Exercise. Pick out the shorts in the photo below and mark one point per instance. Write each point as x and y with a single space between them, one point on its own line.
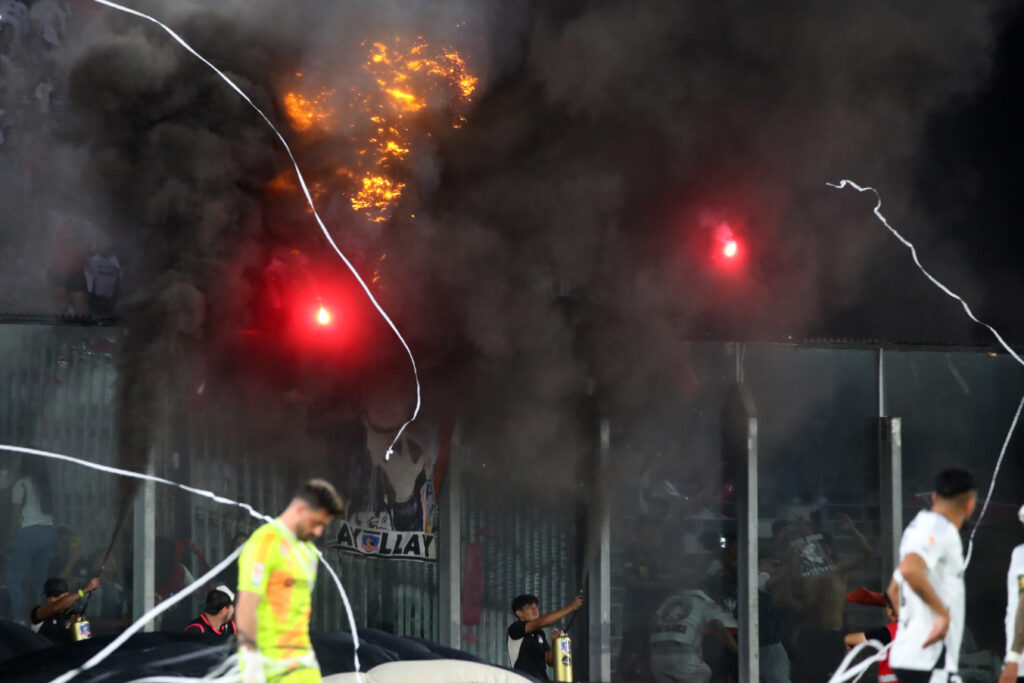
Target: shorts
73 282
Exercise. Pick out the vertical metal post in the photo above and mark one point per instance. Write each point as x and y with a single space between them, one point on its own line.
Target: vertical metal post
449 558
881 382
144 550
890 463
739 446
599 590
749 627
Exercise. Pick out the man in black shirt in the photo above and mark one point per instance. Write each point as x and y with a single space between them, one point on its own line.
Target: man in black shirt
53 619
528 649
216 623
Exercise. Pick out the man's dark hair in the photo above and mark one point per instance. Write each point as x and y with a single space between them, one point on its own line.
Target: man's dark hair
778 526
319 494
216 600
55 587
523 600
953 481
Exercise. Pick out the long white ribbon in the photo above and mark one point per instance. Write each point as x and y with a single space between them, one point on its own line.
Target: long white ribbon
149 616
841 673
913 252
309 200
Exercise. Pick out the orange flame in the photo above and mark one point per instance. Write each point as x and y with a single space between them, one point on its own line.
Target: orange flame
307 112
407 81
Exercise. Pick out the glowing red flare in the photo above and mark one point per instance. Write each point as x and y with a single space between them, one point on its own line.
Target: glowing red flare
323 316
730 249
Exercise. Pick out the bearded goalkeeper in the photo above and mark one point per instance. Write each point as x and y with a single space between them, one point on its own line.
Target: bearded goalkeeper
276 574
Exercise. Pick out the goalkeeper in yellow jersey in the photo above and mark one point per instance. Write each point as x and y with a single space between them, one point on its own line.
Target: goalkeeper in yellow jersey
276 574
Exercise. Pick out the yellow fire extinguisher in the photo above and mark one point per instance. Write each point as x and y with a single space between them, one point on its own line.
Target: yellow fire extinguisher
561 643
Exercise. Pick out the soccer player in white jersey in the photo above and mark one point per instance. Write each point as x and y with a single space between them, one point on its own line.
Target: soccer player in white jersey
930 581
1014 612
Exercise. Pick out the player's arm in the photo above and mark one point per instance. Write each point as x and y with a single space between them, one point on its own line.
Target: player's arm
549 656
863 545
551 617
915 573
245 618
1011 667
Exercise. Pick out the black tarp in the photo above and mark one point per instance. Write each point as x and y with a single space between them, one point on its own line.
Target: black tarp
32 658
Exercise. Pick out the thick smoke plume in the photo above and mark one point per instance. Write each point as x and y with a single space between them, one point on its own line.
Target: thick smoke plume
557 257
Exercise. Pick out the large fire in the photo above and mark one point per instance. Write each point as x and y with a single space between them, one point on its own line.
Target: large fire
408 80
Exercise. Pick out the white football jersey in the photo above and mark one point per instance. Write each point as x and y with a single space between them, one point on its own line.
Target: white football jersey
937 541
683 619
1014 584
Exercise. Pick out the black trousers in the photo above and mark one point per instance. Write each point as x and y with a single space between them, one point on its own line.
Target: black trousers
908 676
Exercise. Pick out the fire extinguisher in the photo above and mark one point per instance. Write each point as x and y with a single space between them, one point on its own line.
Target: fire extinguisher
561 643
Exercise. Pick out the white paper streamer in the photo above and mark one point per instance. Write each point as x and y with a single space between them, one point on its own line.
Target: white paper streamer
149 616
841 673
913 252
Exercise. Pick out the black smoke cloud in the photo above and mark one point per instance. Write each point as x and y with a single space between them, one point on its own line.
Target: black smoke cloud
588 181
557 258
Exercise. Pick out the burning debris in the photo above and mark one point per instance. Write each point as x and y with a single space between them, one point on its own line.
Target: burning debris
402 82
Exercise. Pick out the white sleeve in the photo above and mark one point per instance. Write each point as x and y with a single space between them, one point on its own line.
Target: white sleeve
925 542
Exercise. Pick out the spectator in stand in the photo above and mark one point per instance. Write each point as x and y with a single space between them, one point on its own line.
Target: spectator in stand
216 624
823 584
53 619
66 272
32 517
103 280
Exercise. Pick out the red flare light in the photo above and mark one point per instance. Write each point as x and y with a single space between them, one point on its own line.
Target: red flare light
323 316
730 249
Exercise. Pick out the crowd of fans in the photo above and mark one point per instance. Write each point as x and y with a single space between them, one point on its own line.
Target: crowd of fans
680 610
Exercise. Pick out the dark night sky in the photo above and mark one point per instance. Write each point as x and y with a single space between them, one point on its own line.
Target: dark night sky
969 186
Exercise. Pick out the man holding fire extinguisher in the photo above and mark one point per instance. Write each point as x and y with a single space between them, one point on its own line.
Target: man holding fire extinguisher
528 650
